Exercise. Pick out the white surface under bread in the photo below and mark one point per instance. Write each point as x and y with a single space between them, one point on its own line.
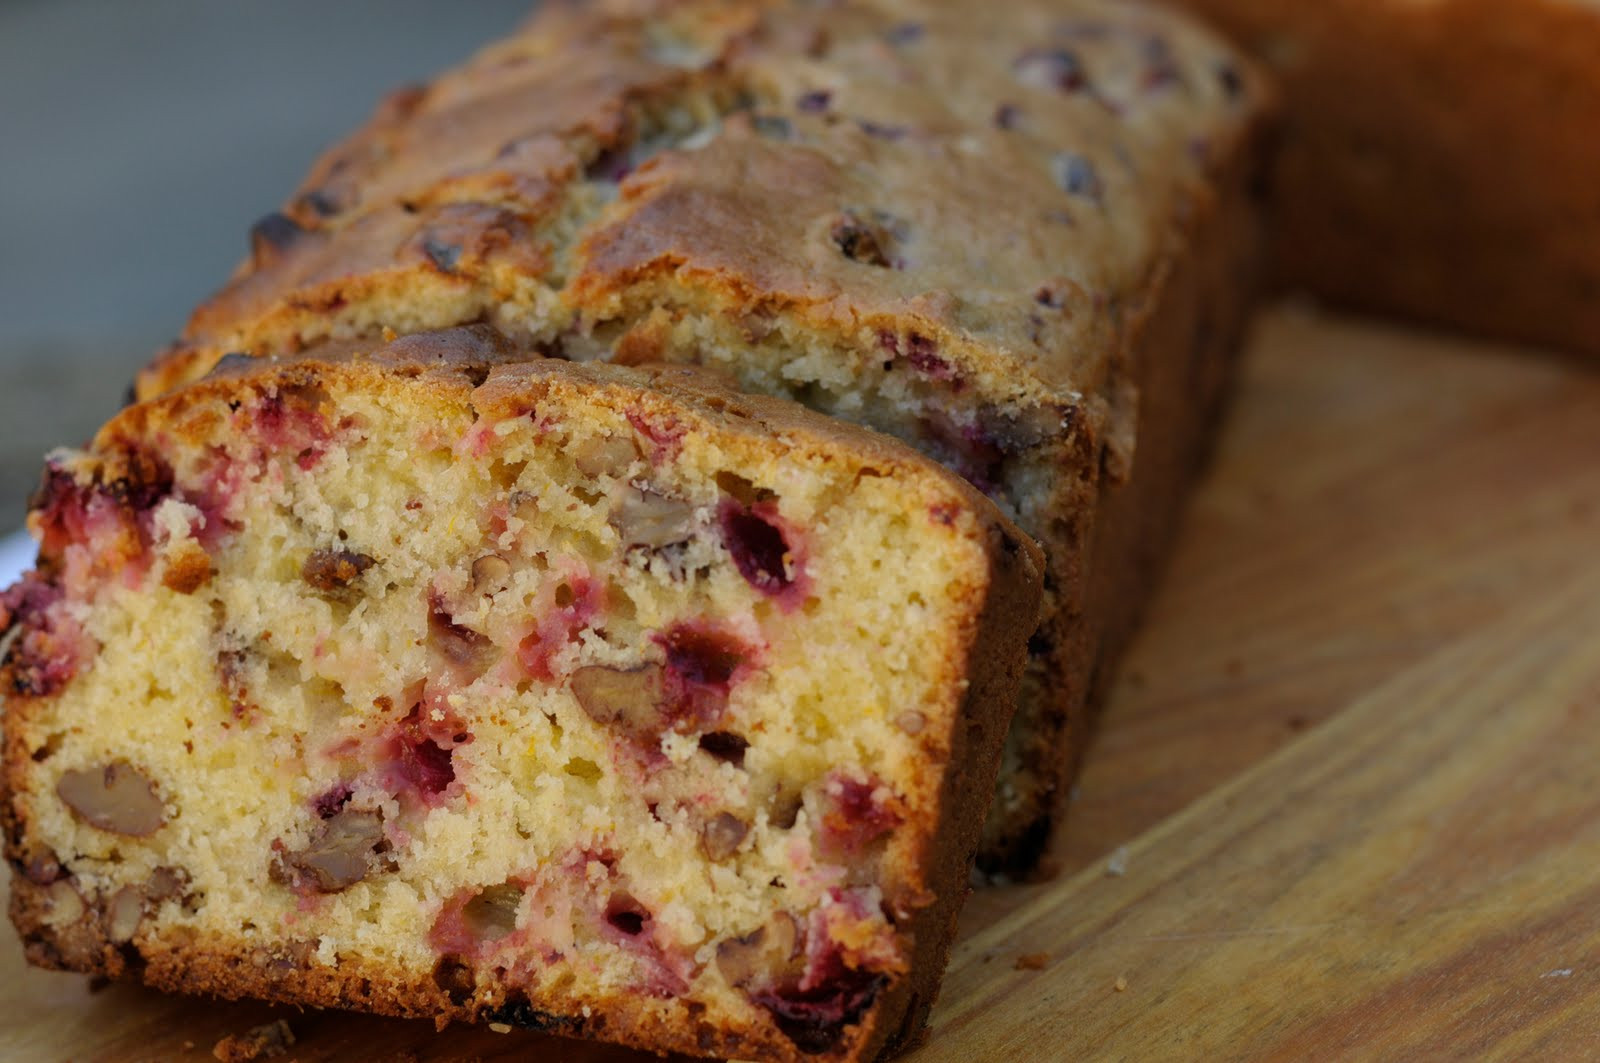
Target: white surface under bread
16 555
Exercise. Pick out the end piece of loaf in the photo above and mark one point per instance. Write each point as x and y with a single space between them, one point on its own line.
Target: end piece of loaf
1439 159
420 679
1021 240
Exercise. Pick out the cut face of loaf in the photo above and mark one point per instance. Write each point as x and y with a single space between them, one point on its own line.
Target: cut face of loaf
585 698
1022 243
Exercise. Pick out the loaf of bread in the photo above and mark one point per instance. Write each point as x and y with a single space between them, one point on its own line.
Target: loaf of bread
1020 239
1439 159
436 679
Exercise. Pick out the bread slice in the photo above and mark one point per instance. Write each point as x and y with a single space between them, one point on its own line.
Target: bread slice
1439 159
1024 244
607 701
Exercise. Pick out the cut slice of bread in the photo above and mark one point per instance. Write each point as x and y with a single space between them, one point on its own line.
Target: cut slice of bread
428 680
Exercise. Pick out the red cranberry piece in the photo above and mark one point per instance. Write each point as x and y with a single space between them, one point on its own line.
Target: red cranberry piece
922 353
663 431
423 762
758 548
45 650
858 812
703 657
815 1019
110 517
328 803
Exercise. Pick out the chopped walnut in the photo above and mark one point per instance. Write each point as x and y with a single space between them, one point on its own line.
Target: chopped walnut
116 798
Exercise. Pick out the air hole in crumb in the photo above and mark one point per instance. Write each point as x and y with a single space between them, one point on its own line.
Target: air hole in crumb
582 768
626 914
492 914
619 604
48 749
725 746
507 473
742 490
785 809
455 978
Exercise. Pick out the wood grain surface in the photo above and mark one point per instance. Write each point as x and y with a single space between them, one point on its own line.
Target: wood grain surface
1347 772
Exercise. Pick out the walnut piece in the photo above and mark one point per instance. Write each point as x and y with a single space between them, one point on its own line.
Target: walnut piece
116 797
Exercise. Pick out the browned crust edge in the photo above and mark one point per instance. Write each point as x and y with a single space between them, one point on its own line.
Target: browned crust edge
1183 342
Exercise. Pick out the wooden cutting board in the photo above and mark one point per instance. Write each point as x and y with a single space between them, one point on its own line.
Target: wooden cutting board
1344 802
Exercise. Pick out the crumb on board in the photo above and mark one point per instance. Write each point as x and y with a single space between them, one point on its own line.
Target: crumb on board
1120 985
500 1027
1033 961
261 1042
1117 865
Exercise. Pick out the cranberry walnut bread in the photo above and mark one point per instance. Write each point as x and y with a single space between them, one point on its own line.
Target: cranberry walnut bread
587 698
1440 158
1024 244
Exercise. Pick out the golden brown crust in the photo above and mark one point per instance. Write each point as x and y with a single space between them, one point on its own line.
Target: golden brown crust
1188 332
1439 158
872 128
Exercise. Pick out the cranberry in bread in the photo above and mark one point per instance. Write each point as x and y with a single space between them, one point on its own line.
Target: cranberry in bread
435 679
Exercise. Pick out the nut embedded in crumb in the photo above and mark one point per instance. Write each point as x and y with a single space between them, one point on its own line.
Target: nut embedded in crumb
261 1042
1033 961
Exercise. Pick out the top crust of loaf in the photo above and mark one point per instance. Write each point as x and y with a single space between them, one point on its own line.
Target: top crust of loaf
982 198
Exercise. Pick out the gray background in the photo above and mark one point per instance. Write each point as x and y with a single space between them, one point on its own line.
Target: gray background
139 139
